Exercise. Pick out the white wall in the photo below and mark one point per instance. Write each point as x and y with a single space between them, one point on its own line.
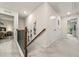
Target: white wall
21 23
78 28
64 26
42 15
38 15
54 31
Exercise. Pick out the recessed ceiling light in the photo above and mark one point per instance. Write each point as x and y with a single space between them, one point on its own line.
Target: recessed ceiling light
68 13
52 17
25 12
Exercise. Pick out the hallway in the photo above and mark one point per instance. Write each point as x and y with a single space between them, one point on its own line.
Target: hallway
8 48
29 19
60 48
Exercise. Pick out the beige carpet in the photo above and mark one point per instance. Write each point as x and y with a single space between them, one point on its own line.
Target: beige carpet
8 48
59 48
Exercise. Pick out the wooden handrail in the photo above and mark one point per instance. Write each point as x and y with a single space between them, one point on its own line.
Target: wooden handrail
36 37
25 42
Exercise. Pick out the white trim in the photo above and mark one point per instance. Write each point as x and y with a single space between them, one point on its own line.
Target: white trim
21 53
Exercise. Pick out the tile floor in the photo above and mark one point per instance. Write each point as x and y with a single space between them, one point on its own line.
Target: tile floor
8 48
60 48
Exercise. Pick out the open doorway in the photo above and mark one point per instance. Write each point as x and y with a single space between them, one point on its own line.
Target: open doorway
6 27
72 27
8 34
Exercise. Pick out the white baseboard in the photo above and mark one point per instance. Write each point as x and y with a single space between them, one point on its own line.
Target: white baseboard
22 55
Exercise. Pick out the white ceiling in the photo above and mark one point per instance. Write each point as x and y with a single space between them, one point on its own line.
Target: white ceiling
63 7
20 6
60 7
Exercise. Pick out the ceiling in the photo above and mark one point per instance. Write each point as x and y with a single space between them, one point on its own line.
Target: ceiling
63 8
60 7
20 7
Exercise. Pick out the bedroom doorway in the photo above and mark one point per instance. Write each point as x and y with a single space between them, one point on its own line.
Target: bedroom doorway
11 15
8 34
72 26
6 27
